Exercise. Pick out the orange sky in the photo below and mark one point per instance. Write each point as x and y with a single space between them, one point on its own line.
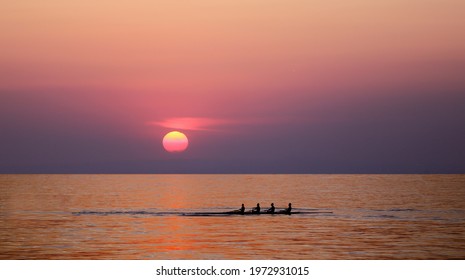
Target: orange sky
201 47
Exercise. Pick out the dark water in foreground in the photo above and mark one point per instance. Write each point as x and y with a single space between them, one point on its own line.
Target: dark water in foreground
139 217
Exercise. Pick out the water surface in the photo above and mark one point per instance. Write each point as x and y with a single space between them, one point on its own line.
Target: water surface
140 217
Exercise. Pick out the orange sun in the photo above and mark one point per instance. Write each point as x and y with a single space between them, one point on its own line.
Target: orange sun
175 142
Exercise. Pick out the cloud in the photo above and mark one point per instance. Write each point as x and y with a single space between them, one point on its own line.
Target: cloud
217 124
193 123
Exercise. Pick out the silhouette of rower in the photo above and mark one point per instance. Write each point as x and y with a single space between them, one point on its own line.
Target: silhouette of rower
242 210
271 210
289 209
256 209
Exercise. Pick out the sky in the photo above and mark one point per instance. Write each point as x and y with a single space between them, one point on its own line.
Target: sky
257 86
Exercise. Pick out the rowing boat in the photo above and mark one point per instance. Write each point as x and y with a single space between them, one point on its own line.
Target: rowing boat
237 213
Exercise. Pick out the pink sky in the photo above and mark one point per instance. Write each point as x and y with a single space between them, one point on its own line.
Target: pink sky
129 71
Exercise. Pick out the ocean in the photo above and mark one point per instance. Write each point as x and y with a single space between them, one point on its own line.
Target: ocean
144 217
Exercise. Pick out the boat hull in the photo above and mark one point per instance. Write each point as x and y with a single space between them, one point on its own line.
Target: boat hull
252 213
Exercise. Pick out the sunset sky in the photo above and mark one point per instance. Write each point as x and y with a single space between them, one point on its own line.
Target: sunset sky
258 86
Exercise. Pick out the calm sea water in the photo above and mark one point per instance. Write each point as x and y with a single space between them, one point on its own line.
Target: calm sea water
140 217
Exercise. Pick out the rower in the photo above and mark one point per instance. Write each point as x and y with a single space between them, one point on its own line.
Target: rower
271 210
256 209
289 209
242 210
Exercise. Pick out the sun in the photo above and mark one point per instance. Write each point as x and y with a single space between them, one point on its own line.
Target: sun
175 142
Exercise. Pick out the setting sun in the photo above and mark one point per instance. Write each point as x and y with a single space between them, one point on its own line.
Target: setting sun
175 141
